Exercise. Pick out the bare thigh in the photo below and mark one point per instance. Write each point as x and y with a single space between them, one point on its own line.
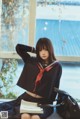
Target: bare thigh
27 116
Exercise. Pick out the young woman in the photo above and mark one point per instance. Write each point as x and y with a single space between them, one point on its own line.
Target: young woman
39 77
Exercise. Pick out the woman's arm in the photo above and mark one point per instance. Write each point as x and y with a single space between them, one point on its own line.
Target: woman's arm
57 77
22 51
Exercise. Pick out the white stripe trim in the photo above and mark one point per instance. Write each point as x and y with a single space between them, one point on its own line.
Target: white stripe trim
49 64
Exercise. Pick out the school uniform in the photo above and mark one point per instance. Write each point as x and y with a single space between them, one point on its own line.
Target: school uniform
38 79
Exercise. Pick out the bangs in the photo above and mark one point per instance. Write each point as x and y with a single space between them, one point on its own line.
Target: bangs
42 46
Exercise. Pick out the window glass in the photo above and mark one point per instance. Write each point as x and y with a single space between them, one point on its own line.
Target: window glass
58 20
14 23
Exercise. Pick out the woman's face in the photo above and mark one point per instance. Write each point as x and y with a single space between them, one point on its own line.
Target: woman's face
44 54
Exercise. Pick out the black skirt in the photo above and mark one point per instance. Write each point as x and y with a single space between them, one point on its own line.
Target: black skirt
13 107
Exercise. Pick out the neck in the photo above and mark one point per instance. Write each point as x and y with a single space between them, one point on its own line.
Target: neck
45 64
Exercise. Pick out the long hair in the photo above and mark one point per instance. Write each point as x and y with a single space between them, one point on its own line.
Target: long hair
43 43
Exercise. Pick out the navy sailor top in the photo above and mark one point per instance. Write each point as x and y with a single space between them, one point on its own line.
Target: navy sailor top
31 70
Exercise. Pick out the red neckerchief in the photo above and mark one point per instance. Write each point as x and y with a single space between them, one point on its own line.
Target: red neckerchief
40 74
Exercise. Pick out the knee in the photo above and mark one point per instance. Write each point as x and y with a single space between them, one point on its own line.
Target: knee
25 116
35 117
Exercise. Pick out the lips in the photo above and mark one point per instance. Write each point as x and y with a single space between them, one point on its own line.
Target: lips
44 56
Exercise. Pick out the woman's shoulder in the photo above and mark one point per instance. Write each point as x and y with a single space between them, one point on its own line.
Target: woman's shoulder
57 64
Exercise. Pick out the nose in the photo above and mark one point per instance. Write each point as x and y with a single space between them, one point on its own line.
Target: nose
43 51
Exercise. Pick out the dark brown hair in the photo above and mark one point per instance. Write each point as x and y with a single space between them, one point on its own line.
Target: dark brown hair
43 43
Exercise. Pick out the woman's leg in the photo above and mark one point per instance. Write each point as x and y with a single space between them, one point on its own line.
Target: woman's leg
25 116
35 117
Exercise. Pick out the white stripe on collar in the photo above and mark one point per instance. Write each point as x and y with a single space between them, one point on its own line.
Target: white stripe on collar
49 64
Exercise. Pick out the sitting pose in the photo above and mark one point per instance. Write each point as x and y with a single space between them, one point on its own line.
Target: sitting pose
41 73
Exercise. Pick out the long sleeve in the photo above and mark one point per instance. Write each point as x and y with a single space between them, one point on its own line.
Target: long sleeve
23 50
52 94
58 77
